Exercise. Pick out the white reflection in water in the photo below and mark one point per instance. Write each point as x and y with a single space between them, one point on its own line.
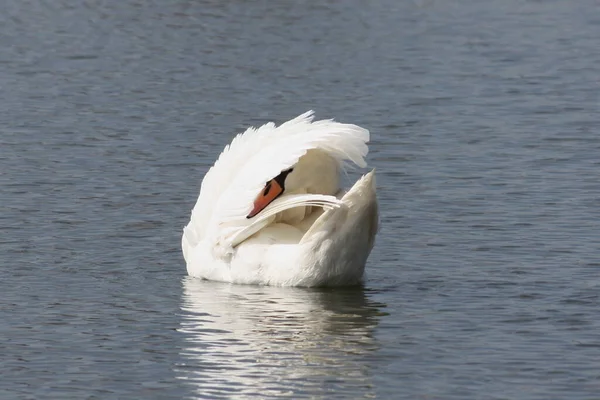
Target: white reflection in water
266 341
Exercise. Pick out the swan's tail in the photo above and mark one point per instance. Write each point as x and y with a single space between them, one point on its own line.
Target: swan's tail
342 238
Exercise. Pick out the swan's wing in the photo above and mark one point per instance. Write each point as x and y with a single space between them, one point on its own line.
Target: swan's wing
255 157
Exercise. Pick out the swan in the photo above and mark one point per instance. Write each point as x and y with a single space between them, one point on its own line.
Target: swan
271 212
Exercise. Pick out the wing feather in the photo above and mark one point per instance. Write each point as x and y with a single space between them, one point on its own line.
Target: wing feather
258 155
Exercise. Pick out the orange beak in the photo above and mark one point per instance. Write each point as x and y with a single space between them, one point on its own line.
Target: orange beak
271 191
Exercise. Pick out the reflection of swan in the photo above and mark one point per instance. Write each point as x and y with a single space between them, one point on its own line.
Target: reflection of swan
259 217
257 340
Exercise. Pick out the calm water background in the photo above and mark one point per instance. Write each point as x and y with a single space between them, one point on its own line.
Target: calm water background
485 279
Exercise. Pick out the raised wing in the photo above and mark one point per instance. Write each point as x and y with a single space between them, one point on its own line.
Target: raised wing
256 156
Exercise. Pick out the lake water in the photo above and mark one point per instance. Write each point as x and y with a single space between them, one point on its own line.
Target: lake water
485 279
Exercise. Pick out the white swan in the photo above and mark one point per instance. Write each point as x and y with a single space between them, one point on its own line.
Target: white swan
270 211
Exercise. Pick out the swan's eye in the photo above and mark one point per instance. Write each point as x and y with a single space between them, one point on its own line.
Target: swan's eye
281 177
267 188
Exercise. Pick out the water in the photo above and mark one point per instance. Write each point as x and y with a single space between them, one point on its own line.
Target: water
484 280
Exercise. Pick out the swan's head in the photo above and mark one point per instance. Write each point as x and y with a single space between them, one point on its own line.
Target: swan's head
316 172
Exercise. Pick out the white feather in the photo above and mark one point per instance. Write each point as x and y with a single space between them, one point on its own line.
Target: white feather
308 236
253 158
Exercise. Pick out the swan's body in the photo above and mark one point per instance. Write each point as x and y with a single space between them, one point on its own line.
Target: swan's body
271 211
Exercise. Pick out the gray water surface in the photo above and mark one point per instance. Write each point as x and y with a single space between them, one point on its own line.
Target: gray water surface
484 282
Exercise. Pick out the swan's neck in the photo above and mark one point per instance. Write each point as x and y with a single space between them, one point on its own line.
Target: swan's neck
315 173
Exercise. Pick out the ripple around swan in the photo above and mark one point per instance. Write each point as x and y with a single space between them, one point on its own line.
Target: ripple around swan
264 341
